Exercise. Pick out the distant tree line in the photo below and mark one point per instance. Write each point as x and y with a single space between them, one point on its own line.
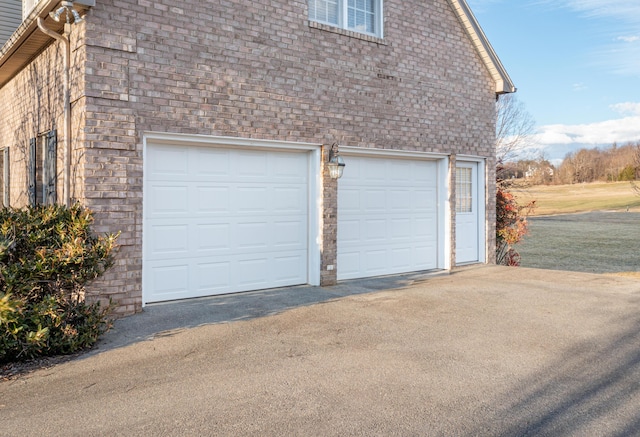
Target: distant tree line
615 163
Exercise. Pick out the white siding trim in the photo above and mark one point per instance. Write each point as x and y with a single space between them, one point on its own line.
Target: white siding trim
444 215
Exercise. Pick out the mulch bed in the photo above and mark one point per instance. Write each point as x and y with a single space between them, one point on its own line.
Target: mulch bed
9 371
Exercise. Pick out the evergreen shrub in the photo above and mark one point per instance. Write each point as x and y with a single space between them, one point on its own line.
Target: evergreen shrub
48 255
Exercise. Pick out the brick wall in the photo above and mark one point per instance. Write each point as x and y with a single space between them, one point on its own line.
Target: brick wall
32 103
261 70
29 105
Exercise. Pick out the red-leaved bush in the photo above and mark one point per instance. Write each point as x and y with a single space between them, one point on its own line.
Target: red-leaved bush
511 225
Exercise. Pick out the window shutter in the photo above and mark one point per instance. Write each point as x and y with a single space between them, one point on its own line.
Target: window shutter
31 171
49 170
5 177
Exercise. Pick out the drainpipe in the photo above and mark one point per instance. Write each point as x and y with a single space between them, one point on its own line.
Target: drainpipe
64 39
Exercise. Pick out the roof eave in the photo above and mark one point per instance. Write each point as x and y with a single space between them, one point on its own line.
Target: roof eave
27 41
503 82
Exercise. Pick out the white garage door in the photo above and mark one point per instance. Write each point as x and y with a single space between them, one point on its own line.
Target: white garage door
222 220
387 217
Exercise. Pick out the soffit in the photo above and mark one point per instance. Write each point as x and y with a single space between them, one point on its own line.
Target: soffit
28 41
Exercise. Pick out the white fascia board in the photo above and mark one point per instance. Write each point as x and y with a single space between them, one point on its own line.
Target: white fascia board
504 84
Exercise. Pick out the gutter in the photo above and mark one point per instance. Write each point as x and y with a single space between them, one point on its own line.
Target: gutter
26 41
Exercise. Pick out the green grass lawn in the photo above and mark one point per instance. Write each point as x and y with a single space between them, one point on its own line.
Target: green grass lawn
595 242
566 199
582 227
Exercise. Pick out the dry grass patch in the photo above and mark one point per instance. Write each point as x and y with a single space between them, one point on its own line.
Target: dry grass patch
635 275
567 199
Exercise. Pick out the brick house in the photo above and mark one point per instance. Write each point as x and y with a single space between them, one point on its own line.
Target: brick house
202 132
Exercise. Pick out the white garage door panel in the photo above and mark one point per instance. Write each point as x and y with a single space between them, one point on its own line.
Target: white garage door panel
387 220
170 279
165 239
222 220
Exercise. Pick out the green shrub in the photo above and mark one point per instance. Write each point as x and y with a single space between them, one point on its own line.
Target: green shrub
628 173
47 256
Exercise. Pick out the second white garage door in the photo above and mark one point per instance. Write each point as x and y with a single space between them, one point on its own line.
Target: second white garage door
387 217
221 220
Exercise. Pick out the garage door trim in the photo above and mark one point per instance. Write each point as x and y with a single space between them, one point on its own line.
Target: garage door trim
402 154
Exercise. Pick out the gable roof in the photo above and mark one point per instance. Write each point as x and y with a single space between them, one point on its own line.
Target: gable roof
504 84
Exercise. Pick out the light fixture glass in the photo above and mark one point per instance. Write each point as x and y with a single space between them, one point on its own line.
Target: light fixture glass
76 16
56 15
67 9
336 163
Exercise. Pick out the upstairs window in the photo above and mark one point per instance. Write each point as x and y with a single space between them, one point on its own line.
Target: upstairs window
363 16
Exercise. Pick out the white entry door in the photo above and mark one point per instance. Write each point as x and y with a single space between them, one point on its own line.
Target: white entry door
222 220
469 229
387 216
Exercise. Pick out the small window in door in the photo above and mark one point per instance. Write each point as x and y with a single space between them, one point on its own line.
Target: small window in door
464 185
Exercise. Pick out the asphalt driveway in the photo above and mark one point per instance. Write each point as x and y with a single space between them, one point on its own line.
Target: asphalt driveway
485 351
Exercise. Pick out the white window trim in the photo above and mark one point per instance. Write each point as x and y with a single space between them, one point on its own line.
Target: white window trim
343 11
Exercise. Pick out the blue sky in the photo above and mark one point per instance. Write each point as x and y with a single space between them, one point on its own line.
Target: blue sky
576 64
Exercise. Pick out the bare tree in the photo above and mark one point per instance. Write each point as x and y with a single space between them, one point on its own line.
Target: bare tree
514 127
636 163
615 163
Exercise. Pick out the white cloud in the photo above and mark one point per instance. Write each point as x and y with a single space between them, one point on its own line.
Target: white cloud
627 108
628 38
554 141
618 51
577 87
623 9
552 134
620 130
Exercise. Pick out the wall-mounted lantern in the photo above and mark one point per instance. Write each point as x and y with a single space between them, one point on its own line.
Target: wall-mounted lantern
336 163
